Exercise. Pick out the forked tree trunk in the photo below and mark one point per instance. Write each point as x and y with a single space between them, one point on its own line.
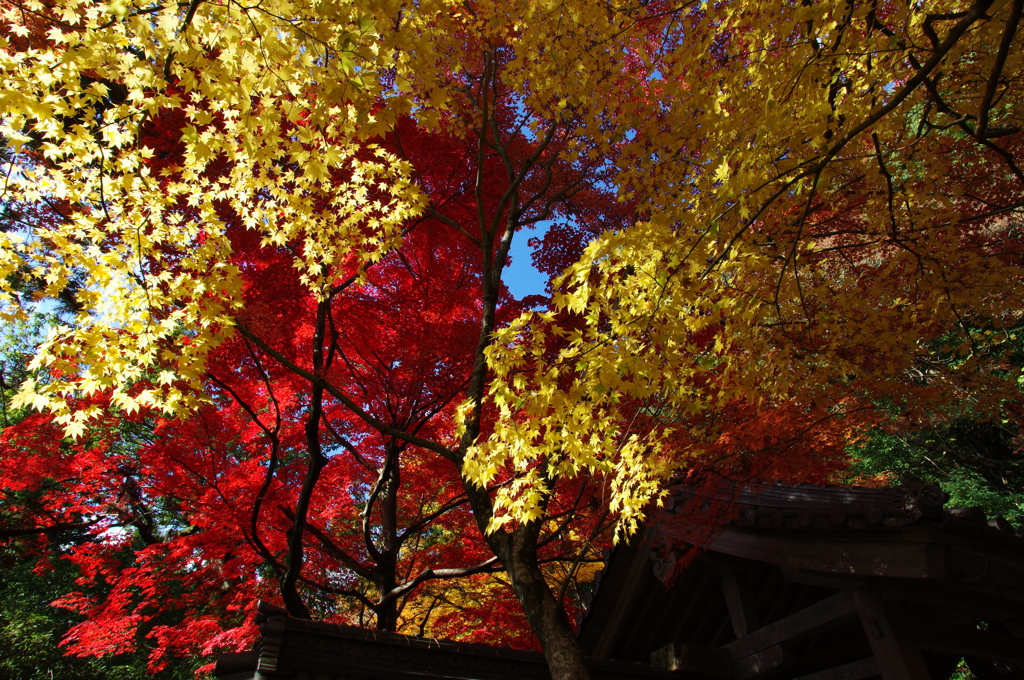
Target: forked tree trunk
518 553
546 616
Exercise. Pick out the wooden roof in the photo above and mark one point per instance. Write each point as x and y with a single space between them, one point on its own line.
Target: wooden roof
298 649
819 582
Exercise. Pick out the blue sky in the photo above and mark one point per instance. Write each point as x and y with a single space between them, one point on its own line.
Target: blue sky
521 277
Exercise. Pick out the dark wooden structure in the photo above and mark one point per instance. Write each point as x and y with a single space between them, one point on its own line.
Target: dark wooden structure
821 583
808 583
305 650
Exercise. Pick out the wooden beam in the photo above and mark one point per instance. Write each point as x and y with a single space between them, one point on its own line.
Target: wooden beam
865 557
687 658
896 654
973 604
858 670
742 614
624 595
761 663
819 616
815 578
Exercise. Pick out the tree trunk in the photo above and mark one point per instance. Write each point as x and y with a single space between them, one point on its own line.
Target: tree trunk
387 616
518 553
546 615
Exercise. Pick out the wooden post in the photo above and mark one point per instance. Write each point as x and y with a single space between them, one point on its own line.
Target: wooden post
896 654
741 610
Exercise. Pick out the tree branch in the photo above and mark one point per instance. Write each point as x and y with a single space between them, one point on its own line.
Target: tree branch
433 574
340 396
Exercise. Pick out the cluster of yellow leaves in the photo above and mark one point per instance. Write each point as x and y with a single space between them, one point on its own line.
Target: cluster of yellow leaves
805 192
638 347
276 104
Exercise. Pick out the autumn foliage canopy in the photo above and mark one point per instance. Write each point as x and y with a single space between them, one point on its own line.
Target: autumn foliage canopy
286 363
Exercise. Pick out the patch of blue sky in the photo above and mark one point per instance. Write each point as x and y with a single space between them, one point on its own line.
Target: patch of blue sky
521 277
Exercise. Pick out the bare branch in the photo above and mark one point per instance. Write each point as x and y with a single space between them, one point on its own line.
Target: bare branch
340 396
433 574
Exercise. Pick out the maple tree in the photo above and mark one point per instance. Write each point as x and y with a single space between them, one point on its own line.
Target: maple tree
400 333
810 196
225 486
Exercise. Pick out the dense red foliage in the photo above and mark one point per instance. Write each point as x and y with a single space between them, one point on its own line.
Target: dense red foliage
190 520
